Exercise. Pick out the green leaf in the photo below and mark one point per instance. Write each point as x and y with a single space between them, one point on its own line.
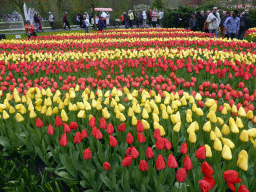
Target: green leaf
68 165
84 184
106 180
4 142
65 175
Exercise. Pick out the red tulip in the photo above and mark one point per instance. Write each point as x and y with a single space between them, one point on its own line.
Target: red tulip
66 128
149 153
242 188
127 161
128 151
160 143
181 175
73 125
184 148
129 138
206 169
83 134
103 123
157 133
112 141
201 152
92 122
106 166
77 138
39 123
121 127
141 138
58 121
63 140
50 130
139 126
167 144
204 185
231 176
87 154
160 164
143 166
172 163
134 153
211 180
110 128
187 163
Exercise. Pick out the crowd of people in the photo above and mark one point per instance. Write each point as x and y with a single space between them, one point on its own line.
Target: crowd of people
139 18
231 25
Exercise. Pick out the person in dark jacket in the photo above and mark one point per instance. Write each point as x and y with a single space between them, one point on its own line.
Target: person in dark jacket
245 24
65 20
201 21
126 20
177 21
81 19
36 20
193 23
222 21
100 24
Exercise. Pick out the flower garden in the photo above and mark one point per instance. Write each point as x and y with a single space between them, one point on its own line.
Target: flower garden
141 109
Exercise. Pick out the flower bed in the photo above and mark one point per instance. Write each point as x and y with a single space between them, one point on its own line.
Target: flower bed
142 109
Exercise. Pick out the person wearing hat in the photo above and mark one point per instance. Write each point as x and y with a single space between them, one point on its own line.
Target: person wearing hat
232 25
213 20
51 19
201 21
30 29
245 24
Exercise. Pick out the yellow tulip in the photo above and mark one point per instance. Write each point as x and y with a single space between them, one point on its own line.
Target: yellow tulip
224 111
227 106
19 117
92 96
137 109
192 138
106 102
198 97
5 115
165 115
212 117
234 109
191 128
43 110
99 93
122 117
107 94
209 103
90 116
241 112
80 106
252 132
226 153
199 112
32 114
49 112
234 128
155 117
121 107
220 121
98 106
169 110
117 99
23 99
87 106
217 132
145 114
243 153
17 98
228 142
176 128
11 110
162 131
217 145
64 116
239 123
225 130
105 114
134 120
49 93
48 102
167 100
130 112
208 151
126 90
213 135
94 103
55 110
249 114
145 124
162 107
172 96
207 126
191 99
61 105
81 114
242 163
244 136
188 118
213 108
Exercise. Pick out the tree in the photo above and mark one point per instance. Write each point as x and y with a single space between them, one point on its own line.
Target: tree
159 4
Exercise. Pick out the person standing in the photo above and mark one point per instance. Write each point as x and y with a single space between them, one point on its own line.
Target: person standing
131 18
154 17
81 18
201 21
65 20
100 24
78 20
39 23
245 24
103 17
86 24
193 23
161 15
51 19
30 29
223 19
126 20
177 21
150 17
232 25
214 21
144 18
138 18
36 22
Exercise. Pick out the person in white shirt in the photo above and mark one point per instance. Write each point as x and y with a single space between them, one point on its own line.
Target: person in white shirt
214 21
161 15
144 18
51 19
86 24
155 15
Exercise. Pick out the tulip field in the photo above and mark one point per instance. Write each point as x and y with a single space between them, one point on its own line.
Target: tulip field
133 110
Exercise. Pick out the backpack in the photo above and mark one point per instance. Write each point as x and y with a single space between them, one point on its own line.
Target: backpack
243 24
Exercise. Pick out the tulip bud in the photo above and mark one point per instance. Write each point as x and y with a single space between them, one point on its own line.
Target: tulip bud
217 145
208 151
207 126
192 138
244 136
